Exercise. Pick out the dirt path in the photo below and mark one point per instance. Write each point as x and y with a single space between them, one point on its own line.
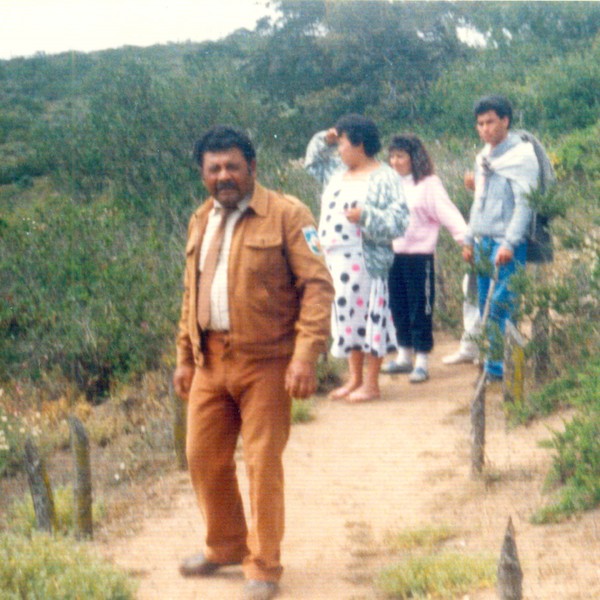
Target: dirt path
359 471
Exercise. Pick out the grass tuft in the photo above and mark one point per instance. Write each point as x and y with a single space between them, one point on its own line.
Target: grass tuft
424 537
302 411
22 515
443 575
41 566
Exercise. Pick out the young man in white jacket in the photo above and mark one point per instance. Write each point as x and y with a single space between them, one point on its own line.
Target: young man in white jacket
506 170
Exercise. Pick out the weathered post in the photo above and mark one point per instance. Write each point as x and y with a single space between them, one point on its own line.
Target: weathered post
478 427
82 490
41 490
478 404
510 574
513 382
540 328
540 335
179 428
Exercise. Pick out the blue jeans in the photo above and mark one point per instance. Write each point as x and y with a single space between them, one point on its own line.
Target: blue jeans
503 301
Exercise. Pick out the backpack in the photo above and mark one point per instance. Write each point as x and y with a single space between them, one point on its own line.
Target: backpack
540 247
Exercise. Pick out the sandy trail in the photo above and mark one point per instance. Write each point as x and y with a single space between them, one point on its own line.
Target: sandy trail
358 472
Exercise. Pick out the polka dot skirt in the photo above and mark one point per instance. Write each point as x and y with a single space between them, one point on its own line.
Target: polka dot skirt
361 318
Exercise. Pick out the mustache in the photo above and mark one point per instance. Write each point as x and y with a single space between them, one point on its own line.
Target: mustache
226 185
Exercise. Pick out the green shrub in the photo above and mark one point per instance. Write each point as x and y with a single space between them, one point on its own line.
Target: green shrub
427 571
12 440
579 154
545 401
423 537
41 567
22 515
302 411
567 91
575 472
290 178
329 373
444 575
87 290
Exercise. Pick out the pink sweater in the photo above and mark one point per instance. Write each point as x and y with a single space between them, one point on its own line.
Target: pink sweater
430 208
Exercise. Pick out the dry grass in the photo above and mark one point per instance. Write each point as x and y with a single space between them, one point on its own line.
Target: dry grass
130 439
428 538
21 517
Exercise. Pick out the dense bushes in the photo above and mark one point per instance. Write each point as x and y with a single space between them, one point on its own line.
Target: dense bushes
579 155
90 278
574 478
87 289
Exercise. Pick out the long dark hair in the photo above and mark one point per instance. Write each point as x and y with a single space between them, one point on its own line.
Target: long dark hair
422 165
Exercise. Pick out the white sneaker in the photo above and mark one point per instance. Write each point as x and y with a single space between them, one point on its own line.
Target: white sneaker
419 375
460 357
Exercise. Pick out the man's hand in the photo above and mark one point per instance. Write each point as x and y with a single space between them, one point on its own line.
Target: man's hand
300 379
182 381
504 255
467 253
469 180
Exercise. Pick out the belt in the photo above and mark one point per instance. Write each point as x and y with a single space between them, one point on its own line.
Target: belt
212 336
217 342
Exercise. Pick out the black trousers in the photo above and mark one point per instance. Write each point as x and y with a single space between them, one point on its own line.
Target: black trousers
412 296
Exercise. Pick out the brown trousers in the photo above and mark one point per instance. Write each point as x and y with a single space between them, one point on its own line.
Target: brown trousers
233 395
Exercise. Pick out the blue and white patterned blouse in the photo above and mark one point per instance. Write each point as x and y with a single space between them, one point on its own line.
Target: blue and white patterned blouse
384 215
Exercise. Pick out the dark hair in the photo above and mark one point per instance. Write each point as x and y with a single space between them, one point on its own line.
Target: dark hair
420 161
499 104
220 138
360 130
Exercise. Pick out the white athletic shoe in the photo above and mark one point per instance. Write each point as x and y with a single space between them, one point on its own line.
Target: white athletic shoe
419 375
460 357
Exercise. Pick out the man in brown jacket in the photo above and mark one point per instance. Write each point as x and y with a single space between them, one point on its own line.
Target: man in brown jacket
254 319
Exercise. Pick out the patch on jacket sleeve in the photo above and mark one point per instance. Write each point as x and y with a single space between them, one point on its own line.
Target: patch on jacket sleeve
312 239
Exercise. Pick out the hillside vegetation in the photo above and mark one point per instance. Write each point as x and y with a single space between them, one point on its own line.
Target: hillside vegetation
97 182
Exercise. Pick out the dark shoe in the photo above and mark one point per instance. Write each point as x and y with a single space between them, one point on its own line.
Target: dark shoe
260 590
392 367
198 565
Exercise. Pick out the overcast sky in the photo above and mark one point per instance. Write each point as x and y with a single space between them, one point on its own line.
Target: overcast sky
52 26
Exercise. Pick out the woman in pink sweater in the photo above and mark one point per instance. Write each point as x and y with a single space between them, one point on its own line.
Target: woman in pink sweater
412 276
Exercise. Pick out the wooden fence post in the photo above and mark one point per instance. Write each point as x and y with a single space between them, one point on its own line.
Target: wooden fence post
179 428
478 404
540 336
513 382
82 489
510 574
41 490
540 328
478 427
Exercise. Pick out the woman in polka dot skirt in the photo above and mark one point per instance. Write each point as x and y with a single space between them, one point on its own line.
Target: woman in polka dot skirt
362 210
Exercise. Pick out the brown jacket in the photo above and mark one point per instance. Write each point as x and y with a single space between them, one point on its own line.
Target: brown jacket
280 291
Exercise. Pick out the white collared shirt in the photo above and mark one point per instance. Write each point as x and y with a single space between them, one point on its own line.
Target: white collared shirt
219 306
